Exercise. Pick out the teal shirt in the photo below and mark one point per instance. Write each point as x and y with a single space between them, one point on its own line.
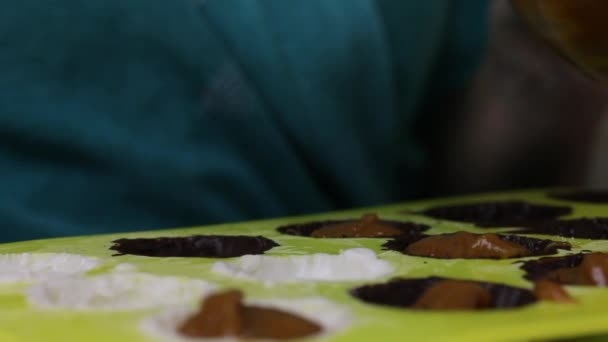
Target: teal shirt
129 115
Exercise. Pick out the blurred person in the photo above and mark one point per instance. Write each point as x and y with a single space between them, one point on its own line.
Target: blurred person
131 115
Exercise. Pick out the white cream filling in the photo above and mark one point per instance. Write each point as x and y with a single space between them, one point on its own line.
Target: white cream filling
350 265
330 316
116 291
31 267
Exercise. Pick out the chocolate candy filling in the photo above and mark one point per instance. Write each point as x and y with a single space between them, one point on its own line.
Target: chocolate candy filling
225 315
578 269
464 245
454 295
368 226
206 246
416 293
498 214
583 196
584 228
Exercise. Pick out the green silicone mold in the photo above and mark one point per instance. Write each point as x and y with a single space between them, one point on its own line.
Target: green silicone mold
21 321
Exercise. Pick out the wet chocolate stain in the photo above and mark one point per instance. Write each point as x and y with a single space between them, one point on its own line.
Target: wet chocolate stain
498 214
536 247
205 246
306 229
583 196
404 293
583 228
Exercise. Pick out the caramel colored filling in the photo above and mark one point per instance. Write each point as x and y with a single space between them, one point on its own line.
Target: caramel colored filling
224 315
454 295
466 246
551 291
592 271
369 226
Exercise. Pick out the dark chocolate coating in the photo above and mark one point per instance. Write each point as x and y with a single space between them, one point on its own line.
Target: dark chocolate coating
537 247
584 228
206 246
498 214
306 229
536 269
404 293
583 196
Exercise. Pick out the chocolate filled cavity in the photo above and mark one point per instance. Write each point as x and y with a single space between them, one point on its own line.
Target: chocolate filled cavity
219 315
205 246
225 315
583 196
464 245
406 293
454 295
368 226
538 269
584 228
498 214
467 245
579 269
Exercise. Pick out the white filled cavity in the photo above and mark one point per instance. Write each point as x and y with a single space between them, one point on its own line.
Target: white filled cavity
116 291
350 265
331 317
31 267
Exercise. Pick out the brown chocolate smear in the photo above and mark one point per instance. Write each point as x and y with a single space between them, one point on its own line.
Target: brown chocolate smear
584 196
206 246
498 214
368 226
464 245
454 295
583 228
224 315
405 293
467 246
551 291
